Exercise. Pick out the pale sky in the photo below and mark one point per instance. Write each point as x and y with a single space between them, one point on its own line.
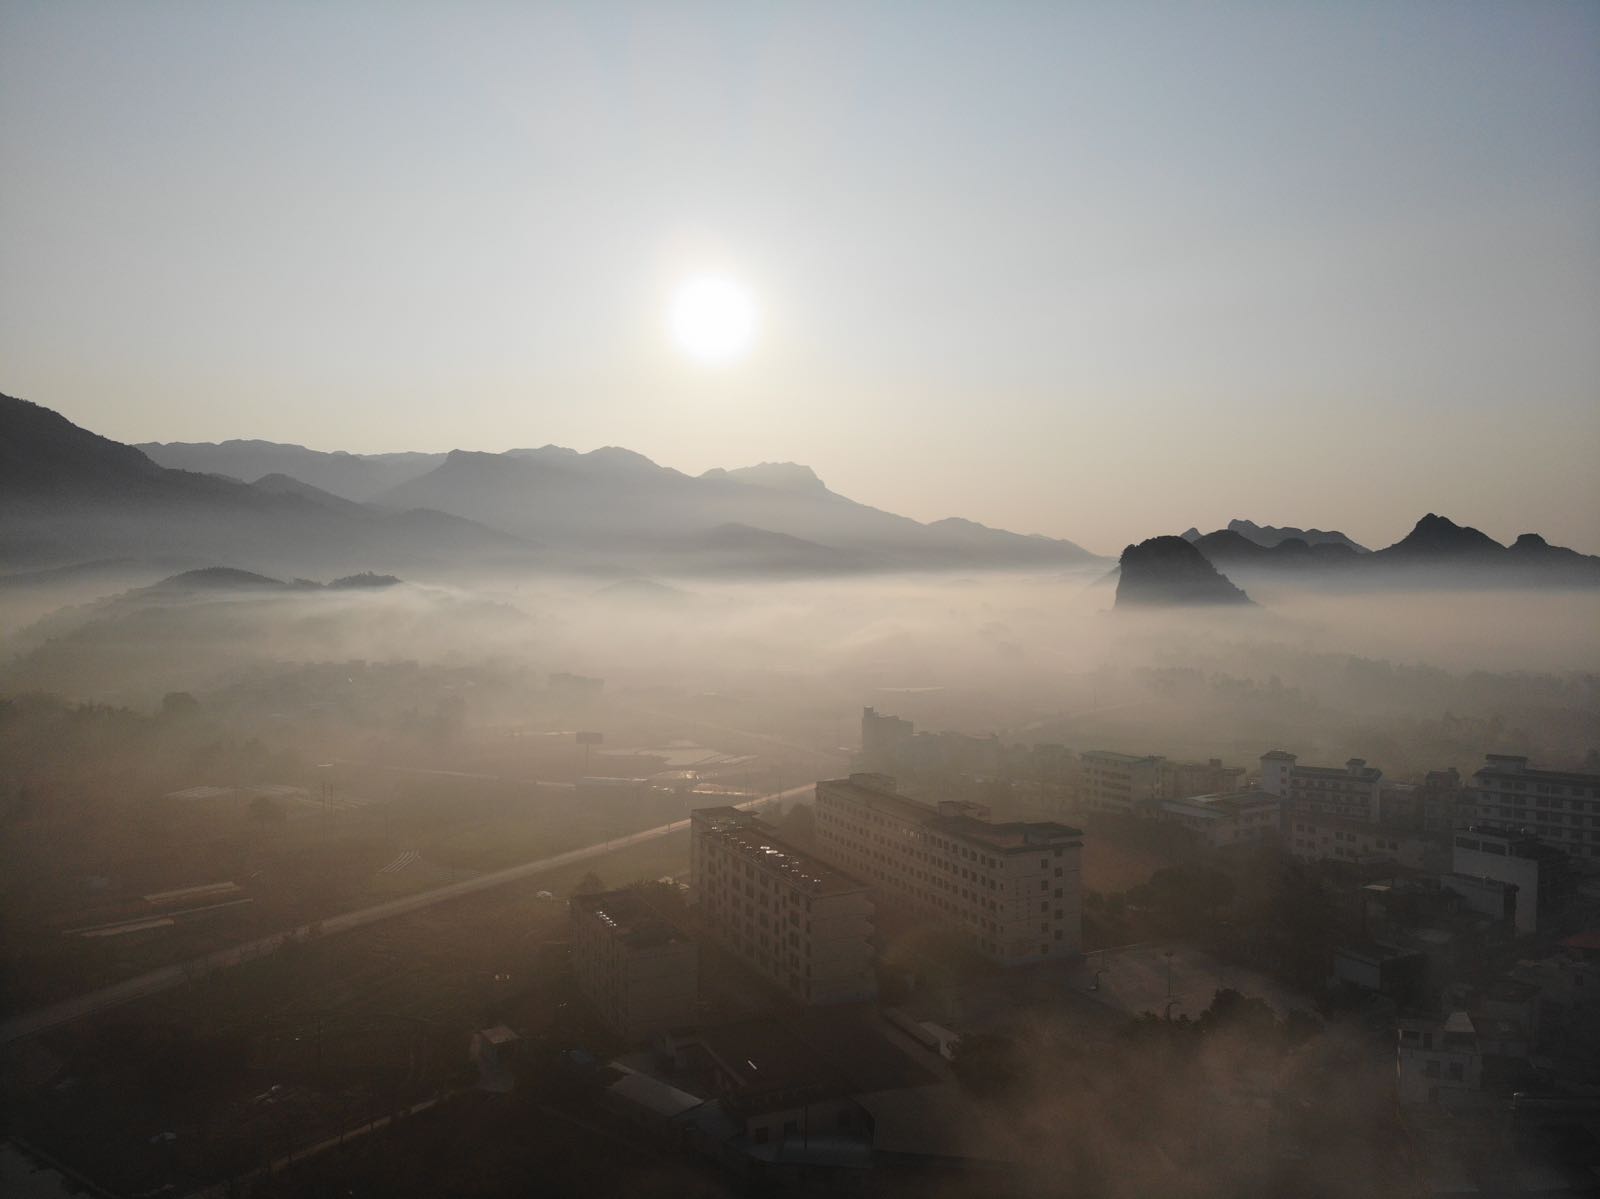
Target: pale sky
1095 270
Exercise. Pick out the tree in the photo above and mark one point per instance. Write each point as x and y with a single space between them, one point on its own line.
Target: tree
1180 896
799 825
589 884
175 704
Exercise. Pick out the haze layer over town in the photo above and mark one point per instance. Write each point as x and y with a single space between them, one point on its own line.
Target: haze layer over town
661 600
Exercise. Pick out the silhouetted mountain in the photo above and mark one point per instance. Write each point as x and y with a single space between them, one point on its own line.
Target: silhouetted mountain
789 476
612 509
1437 552
1437 537
69 495
618 503
219 578
1229 549
349 476
285 485
1270 535
1169 570
196 628
1191 534
1442 545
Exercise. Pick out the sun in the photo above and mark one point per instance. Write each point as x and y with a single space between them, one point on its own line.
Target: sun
713 319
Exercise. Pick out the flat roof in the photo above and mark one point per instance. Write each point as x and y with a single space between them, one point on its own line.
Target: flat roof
756 841
1229 801
916 809
630 918
1015 836
1338 772
1110 755
1501 766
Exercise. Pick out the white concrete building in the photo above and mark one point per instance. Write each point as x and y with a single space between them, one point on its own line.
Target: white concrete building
795 919
1013 889
1539 872
1560 807
1316 837
1438 1063
1351 793
1238 818
1119 783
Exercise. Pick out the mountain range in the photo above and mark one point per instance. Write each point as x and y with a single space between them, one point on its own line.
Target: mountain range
70 497
1436 552
73 496
1270 536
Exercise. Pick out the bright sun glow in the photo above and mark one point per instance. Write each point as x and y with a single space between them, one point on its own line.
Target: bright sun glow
713 319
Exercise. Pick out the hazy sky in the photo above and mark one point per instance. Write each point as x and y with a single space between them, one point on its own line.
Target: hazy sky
1093 270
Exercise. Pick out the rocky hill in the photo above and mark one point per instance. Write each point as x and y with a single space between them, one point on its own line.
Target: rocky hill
1171 571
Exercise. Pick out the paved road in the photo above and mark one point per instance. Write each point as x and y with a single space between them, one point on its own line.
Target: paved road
455 774
220 959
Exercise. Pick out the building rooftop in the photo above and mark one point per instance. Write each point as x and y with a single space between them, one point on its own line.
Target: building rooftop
877 790
1364 773
756 841
1008 837
1229 803
956 819
1107 755
1515 764
630 918
1518 842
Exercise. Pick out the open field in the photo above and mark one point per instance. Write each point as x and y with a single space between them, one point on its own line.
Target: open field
247 1063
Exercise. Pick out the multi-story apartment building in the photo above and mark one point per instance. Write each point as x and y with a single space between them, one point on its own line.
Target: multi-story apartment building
799 922
1238 818
641 974
1181 780
1560 807
1013 888
1541 873
1350 794
1438 1062
1314 836
1129 785
1119 783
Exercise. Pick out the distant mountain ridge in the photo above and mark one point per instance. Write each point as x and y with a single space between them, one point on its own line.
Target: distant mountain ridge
1437 551
1270 536
72 496
355 477
68 495
614 497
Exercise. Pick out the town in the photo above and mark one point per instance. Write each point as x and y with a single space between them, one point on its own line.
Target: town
850 984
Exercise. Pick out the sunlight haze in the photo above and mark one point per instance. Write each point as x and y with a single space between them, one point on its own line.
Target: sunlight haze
1091 271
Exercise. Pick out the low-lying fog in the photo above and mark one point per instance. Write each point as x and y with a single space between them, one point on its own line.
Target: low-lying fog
1032 658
